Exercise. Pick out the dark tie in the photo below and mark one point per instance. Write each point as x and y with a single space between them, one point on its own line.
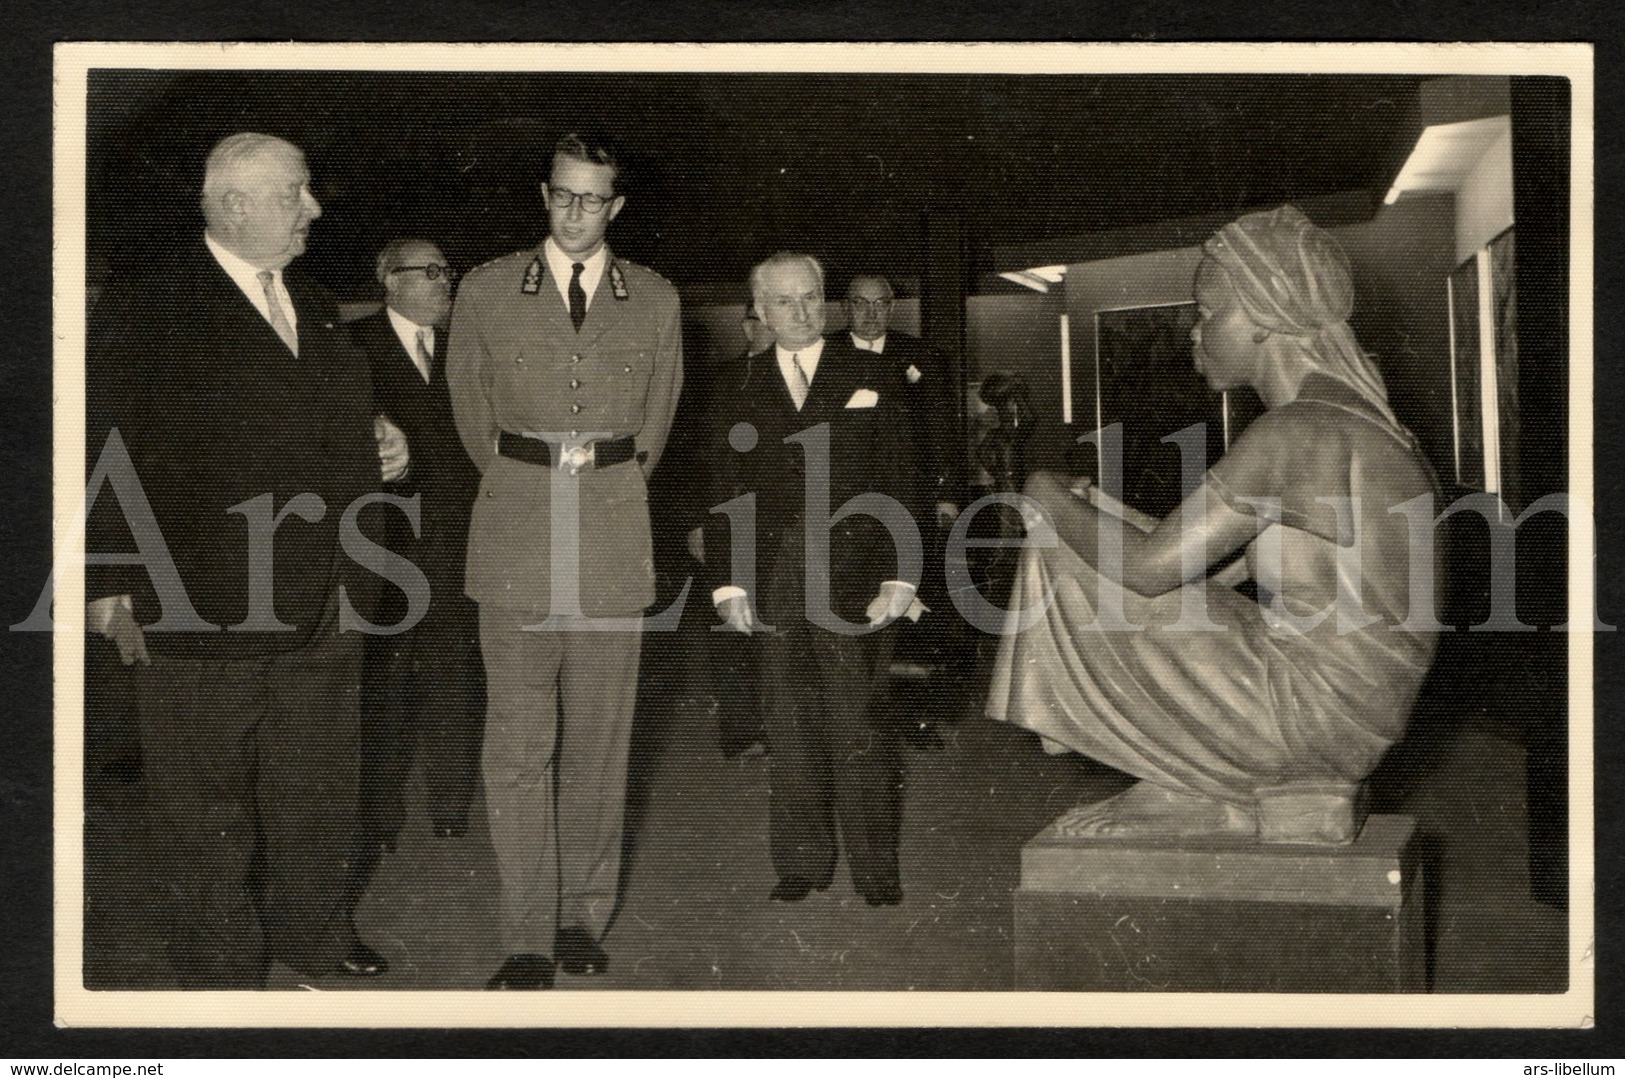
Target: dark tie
578 298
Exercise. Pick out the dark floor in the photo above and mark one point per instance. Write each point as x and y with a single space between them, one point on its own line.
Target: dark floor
694 912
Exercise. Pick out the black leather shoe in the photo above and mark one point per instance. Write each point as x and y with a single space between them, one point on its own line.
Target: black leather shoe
794 889
522 972
578 954
454 828
362 961
883 894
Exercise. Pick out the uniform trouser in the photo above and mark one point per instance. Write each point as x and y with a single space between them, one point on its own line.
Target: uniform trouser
251 777
835 756
558 702
421 697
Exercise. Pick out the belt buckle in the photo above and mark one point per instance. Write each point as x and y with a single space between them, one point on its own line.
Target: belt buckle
576 457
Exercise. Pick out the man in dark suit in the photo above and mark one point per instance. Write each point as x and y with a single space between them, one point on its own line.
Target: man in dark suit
422 687
565 367
933 409
247 419
728 671
814 425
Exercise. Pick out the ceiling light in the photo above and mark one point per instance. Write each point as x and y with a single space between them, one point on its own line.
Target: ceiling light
1445 154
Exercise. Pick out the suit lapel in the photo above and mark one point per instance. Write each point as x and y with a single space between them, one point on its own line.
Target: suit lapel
830 385
385 339
233 312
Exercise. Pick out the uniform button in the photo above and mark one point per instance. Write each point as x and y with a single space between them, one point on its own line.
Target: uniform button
519 359
490 494
575 471
628 370
575 407
575 384
573 433
576 358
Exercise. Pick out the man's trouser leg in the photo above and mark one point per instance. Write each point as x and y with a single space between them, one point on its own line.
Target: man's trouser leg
801 826
521 733
862 744
254 760
598 684
449 696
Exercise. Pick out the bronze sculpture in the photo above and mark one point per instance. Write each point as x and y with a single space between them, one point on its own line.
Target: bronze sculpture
1241 717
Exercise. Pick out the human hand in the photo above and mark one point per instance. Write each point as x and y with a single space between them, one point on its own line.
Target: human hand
735 612
696 544
394 456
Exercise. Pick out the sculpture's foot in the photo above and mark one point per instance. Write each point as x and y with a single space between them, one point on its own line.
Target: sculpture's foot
1147 810
1313 813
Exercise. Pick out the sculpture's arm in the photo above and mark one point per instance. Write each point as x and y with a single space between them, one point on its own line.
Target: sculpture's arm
1182 546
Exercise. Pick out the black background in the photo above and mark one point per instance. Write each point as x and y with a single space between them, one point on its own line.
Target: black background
25 482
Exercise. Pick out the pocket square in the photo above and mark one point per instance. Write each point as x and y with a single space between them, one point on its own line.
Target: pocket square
864 398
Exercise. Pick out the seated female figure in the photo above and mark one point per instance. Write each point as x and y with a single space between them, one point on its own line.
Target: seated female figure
1240 717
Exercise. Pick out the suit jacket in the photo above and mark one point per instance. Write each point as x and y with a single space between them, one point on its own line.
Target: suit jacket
870 450
215 412
441 475
933 408
516 364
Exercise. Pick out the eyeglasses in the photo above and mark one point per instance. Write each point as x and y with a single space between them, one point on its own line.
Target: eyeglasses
431 271
870 304
562 199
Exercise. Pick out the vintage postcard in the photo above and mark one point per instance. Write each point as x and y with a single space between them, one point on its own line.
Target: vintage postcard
559 536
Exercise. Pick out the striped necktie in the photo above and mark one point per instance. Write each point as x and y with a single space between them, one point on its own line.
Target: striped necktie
278 319
425 354
803 384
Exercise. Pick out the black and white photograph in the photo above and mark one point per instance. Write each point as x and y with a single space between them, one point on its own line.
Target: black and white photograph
822 535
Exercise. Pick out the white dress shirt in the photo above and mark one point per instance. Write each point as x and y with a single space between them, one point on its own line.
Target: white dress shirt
878 345
246 276
407 332
562 267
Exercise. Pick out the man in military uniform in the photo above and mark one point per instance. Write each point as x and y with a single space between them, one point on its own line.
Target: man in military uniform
565 365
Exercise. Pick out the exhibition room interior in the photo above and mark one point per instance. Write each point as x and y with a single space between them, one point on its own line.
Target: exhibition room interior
1038 227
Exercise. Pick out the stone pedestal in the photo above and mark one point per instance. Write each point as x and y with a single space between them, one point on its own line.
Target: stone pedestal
1221 914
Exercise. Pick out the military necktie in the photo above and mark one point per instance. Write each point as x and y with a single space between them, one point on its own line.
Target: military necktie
278 319
578 297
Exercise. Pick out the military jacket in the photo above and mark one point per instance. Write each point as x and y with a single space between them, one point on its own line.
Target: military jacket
515 363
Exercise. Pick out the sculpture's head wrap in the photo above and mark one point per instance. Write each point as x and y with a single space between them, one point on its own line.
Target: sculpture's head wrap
1294 279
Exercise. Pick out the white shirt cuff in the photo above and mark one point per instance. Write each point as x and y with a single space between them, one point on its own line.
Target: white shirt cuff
99 612
726 592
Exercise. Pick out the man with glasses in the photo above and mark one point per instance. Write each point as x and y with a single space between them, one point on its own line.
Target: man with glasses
565 368
421 686
928 398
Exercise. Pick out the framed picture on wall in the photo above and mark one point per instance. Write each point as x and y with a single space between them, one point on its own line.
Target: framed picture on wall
1504 307
1484 370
